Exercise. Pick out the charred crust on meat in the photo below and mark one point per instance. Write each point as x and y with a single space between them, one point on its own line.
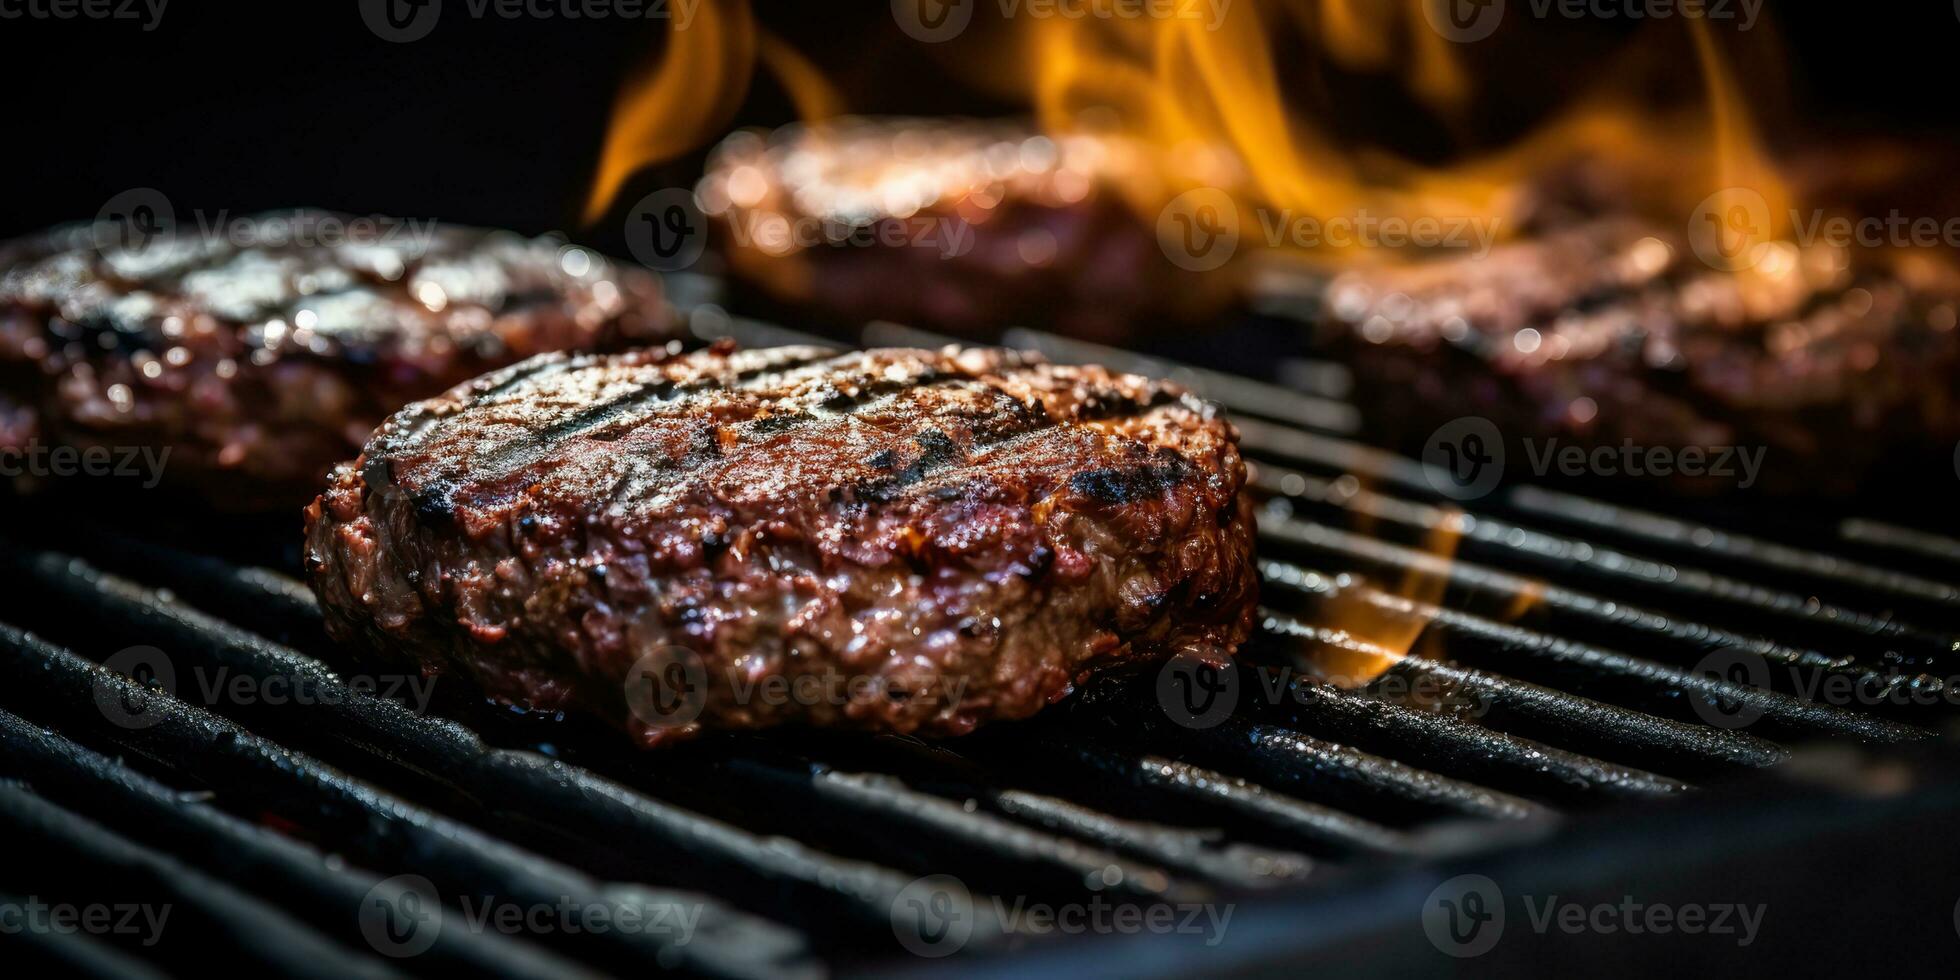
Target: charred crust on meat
971 516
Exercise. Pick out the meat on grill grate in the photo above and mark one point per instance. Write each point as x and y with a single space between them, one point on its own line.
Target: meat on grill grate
1610 331
953 225
893 539
262 353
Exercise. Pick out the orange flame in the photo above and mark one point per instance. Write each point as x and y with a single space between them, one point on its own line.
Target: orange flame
685 100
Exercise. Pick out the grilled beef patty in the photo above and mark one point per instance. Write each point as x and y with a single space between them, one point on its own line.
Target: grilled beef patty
261 356
955 225
1611 333
896 540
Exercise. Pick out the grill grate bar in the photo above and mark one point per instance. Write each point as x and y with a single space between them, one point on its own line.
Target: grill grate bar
70 954
550 791
1568 555
1570 718
1299 819
391 831
1444 743
1702 538
898 808
1536 595
38 829
1194 851
245 853
1514 643
1236 392
1342 775
1897 538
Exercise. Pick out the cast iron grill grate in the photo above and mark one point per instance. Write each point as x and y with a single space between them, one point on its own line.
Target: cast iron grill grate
1570 660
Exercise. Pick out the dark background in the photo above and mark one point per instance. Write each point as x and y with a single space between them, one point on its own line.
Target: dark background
240 107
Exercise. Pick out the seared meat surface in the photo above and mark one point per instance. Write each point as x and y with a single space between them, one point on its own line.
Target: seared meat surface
955 225
1611 333
261 353
896 540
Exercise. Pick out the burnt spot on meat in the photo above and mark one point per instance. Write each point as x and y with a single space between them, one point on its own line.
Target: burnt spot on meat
1129 484
937 451
955 516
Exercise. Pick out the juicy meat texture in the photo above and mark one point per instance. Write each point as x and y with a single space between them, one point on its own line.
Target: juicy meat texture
955 225
1611 332
263 352
896 540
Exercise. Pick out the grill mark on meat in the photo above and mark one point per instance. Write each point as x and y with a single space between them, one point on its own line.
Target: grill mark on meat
704 524
616 409
1129 484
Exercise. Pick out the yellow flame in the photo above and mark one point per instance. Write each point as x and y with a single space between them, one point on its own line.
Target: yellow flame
687 98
